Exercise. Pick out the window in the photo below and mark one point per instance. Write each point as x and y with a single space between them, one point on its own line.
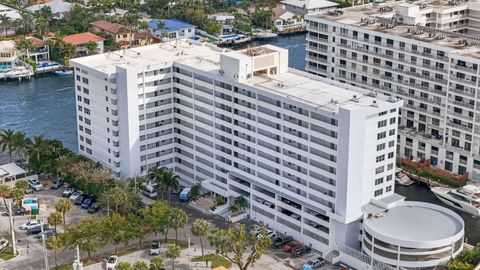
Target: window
378 181
390 155
391 143
380 158
381 135
389 177
380 147
389 166
85 80
388 189
392 120
382 123
380 169
378 192
391 132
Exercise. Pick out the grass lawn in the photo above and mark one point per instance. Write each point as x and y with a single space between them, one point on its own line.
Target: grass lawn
216 260
7 254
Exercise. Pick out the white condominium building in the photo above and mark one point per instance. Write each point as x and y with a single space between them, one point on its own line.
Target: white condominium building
424 52
243 123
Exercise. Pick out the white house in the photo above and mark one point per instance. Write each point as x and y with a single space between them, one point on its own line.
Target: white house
307 6
58 7
286 21
226 20
171 29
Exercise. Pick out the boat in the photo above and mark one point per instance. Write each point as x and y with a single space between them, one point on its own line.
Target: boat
64 72
466 198
402 179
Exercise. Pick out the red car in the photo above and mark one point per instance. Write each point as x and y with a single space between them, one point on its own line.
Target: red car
288 247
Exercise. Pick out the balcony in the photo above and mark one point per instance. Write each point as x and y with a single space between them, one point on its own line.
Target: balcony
459 126
463 92
464 68
461 103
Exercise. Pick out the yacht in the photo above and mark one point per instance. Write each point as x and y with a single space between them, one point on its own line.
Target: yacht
466 198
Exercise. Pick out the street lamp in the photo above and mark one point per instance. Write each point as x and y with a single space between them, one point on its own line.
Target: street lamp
188 251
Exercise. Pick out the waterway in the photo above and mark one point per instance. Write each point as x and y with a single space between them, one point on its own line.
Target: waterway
46 106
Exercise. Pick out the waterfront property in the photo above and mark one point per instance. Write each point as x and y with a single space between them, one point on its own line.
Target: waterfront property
58 7
226 20
307 6
10 172
426 53
122 36
11 13
8 54
199 109
286 21
39 52
81 41
169 29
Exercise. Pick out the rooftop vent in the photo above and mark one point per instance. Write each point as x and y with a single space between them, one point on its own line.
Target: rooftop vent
374 103
354 98
372 93
279 84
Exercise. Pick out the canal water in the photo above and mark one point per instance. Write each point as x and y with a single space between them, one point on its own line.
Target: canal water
46 106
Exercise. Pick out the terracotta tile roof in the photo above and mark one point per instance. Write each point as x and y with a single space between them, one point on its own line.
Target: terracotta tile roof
112 28
142 35
36 42
82 38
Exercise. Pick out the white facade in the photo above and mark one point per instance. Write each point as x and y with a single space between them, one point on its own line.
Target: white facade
307 6
242 123
423 53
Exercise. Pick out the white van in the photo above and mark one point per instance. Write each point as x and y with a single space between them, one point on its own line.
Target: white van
149 190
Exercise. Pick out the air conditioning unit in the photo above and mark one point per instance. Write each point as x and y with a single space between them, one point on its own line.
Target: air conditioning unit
221 71
235 76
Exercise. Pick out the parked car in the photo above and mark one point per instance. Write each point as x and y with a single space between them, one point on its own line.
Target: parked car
295 216
68 191
112 262
300 251
79 200
155 248
47 232
30 224
16 211
93 208
315 263
29 190
37 229
35 184
75 195
3 243
290 246
279 242
57 183
88 202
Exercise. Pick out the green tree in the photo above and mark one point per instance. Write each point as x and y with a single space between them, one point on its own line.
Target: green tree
63 206
116 230
17 196
212 27
238 205
86 235
5 22
5 192
157 217
42 25
171 181
124 266
196 190
156 263
138 227
140 265
118 197
24 44
55 244
178 219
92 48
173 252
200 228
7 138
55 219
155 175
21 143
240 247
21 184
458 265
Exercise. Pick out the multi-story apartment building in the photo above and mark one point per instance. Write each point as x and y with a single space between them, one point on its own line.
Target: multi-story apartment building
308 154
423 52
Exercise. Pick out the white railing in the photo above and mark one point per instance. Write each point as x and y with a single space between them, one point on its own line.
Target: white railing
356 254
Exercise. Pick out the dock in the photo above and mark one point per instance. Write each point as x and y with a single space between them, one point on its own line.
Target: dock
424 181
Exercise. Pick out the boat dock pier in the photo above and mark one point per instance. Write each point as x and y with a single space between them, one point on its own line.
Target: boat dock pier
424 181
20 71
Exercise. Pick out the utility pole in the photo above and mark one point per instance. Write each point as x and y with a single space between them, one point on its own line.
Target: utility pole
77 264
45 254
12 232
188 250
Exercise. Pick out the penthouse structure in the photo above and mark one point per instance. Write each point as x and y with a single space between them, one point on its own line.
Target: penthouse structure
243 124
423 52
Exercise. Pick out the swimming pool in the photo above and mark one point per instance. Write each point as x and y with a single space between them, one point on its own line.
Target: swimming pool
230 36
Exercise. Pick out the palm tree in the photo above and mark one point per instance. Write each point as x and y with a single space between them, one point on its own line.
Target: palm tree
21 143
42 25
21 184
24 44
156 174
54 243
156 263
171 181
178 219
200 228
7 141
17 195
55 219
118 196
5 21
173 252
63 206
5 192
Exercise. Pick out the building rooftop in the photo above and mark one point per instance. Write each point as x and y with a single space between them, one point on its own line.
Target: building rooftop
310 4
82 38
36 42
413 221
10 12
300 86
57 6
108 27
7 46
170 25
384 18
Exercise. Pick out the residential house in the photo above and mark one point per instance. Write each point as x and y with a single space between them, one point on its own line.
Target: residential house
122 36
143 38
226 20
286 21
11 13
8 54
307 6
171 29
40 51
82 39
58 7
